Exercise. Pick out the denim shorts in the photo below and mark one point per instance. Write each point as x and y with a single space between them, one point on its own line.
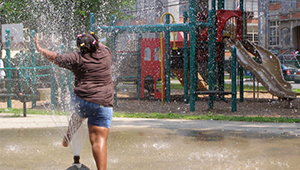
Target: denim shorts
97 115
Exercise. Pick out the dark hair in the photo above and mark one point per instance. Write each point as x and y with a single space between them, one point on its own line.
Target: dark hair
87 43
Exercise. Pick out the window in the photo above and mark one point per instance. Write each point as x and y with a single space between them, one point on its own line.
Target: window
274 33
147 54
157 55
251 7
252 35
285 37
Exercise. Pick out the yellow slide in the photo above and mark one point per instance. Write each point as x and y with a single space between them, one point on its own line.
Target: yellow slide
268 72
179 73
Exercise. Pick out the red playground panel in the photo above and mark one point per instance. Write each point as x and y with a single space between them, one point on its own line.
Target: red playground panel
223 16
151 65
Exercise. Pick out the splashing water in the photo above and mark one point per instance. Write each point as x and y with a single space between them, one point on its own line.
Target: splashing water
79 138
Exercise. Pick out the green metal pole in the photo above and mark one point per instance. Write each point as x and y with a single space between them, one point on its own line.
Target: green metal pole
192 3
21 72
152 28
192 58
185 61
213 5
32 50
139 66
212 55
26 70
113 20
221 4
92 22
241 69
221 69
53 87
8 65
167 62
233 79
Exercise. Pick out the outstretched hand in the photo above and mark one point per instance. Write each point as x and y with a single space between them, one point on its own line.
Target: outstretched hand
50 55
37 45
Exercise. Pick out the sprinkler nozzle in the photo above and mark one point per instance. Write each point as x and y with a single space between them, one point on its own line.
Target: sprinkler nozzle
76 159
77 165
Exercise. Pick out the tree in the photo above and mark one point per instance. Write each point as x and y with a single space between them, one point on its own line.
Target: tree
16 12
66 18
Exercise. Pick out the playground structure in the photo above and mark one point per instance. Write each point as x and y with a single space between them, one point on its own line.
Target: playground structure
202 52
24 76
202 46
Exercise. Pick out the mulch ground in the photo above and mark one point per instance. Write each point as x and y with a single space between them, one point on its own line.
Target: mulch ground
263 105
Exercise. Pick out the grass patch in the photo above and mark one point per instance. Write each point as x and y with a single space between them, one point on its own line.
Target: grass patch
206 117
296 90
246 87
176 86
209 116
227 87
19 112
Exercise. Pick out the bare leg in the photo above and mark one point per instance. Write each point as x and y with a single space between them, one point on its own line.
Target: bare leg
98 139
74 124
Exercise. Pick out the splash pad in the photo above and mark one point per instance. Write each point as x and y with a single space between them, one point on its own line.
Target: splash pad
162 144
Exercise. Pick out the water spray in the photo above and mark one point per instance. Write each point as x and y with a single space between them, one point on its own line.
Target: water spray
76 145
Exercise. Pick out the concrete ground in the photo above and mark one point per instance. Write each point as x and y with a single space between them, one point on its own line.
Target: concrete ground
43 121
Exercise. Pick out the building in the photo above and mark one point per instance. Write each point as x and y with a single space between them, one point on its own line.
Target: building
280 26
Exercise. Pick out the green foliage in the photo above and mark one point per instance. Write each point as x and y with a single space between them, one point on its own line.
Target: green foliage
64 17
17 11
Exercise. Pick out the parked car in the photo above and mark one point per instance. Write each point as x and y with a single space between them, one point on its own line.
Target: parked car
290 72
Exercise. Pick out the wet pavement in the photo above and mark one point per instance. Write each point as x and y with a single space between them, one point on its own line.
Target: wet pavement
135 144
39 121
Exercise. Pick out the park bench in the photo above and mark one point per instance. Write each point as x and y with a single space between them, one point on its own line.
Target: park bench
18 89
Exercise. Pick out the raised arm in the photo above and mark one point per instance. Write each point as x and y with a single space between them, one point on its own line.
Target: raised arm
50 55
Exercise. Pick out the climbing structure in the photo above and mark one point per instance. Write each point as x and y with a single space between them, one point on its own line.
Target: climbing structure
201 51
